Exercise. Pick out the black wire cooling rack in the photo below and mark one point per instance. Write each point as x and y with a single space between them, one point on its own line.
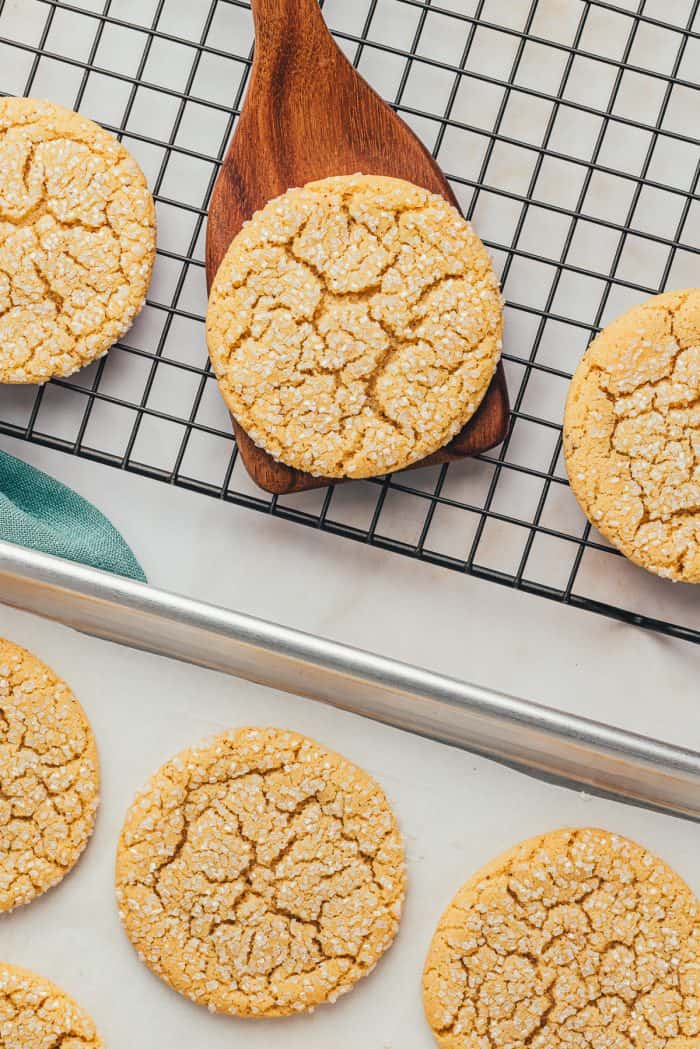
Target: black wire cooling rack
566 128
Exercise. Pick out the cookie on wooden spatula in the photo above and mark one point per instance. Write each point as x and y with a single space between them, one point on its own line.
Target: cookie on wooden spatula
354 326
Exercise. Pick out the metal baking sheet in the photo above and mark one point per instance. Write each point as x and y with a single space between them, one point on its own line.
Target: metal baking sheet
457 810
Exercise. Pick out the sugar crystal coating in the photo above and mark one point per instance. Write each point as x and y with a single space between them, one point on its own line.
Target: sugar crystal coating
77 240
36 1014
49 777
632 434
354 325
260 875
579 939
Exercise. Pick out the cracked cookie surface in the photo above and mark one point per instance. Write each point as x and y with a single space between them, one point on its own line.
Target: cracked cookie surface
77 240
49 777
261 874
354 325
632 434
579 939
36 1014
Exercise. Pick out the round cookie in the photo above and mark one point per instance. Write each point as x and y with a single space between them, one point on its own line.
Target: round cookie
579 939
632 434
36 1014
261 874
77 240
49 777
354 325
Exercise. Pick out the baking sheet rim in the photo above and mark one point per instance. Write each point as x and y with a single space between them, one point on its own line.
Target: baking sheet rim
552 743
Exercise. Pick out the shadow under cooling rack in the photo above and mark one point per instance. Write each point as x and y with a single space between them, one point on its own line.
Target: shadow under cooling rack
568 134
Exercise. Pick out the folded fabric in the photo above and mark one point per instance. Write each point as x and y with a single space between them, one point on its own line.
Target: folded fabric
39 512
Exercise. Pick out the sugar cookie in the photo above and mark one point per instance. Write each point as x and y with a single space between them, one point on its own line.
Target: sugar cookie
578 939
261 874
77 240
49 777
632 434
36 1014
354 325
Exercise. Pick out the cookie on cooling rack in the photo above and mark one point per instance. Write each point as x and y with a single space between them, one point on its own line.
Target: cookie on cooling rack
35 1013
576 938
77 240
49 777
354 326
632 434
261 874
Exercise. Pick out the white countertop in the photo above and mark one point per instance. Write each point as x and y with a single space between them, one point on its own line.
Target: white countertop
456 810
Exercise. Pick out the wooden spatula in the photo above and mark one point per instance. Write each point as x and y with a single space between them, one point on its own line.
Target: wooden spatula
308 114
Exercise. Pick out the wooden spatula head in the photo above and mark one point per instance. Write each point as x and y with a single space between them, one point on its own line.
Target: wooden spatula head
308 114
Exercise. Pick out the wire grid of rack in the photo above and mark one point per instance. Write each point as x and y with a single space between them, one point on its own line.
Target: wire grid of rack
566 129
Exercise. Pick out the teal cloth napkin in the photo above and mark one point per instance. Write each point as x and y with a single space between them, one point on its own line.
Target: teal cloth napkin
40 512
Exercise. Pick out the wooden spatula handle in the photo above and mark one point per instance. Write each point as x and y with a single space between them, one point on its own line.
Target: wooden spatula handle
280 22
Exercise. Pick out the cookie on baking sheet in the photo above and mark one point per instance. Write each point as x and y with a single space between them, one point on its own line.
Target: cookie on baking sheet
579 939
49 777
632 434
260 874
77 240
354 325
36 1014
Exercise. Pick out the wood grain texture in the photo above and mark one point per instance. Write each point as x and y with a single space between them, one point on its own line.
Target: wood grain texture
308 115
